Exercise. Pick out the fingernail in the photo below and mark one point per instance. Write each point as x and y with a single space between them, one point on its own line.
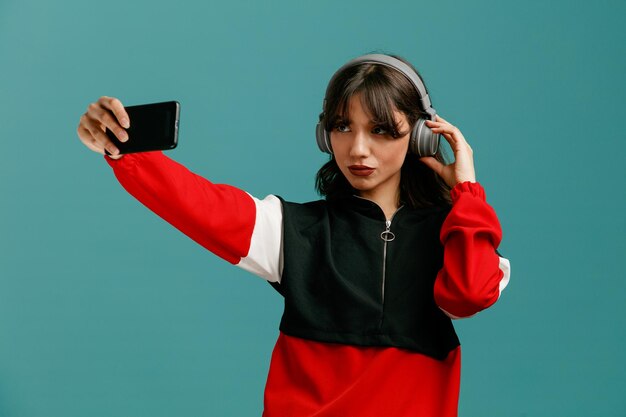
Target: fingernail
125 123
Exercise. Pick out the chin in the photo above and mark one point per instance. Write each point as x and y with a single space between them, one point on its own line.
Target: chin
361 185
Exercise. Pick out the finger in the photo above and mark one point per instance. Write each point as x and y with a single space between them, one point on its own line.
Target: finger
87 139
458 144
439 128
104 117
439 118
100 140
106 152
439 122
109 122
450 132
83 133
447 129
447 134
115 105
432 124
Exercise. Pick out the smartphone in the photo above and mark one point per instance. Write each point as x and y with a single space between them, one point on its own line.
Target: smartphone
153 127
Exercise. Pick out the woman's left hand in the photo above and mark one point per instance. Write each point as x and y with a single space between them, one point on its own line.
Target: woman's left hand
462 169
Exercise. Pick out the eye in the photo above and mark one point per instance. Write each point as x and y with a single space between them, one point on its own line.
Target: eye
341 127
379 130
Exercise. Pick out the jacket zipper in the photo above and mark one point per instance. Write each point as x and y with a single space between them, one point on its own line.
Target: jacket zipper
387 236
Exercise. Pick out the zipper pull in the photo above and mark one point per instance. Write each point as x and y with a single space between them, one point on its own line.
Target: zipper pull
387 235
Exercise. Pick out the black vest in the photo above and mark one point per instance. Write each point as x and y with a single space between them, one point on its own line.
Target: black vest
343 283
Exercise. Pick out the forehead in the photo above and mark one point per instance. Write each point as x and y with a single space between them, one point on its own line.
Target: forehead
356 108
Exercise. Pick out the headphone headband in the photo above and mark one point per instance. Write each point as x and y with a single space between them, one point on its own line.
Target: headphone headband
396 64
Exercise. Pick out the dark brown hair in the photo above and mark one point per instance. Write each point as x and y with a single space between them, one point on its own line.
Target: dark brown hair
382 90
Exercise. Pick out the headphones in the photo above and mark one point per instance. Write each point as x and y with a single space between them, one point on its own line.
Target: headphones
423 141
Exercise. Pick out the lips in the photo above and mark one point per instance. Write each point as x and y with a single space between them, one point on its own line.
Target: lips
361 170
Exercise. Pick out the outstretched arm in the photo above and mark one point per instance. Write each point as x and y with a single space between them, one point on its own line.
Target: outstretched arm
218 217
227 221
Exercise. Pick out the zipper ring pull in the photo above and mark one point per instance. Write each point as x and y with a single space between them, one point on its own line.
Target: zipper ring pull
387 236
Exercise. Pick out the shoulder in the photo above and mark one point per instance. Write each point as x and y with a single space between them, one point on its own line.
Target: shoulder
307 206
302 215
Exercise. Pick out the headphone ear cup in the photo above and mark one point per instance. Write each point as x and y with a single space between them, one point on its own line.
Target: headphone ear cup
323 139
423 142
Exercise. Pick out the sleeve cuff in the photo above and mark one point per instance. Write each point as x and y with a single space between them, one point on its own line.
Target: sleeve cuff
129 159
114 162
474 188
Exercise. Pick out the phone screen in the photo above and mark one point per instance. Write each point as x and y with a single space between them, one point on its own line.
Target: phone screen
152 127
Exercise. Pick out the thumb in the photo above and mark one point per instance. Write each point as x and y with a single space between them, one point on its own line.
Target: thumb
432 163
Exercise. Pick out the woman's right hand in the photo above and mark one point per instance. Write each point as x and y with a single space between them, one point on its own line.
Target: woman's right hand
107 112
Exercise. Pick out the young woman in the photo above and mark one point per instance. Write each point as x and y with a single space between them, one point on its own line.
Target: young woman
372 274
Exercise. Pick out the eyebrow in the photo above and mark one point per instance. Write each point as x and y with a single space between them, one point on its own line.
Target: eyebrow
348 121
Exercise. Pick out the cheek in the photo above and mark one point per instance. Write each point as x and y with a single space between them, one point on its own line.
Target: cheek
340 147
396 156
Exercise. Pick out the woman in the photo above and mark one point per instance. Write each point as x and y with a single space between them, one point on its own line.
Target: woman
371 275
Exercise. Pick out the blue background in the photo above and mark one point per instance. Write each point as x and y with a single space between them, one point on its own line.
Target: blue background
106 310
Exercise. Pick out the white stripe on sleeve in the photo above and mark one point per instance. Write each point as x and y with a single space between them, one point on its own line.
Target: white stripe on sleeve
265 256
505 267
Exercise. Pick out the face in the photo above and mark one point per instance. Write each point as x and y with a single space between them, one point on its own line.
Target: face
367 155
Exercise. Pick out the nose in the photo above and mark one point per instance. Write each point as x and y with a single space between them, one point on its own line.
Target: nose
360 145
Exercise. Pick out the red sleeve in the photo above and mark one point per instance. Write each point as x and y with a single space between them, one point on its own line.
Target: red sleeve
219 217
471 276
